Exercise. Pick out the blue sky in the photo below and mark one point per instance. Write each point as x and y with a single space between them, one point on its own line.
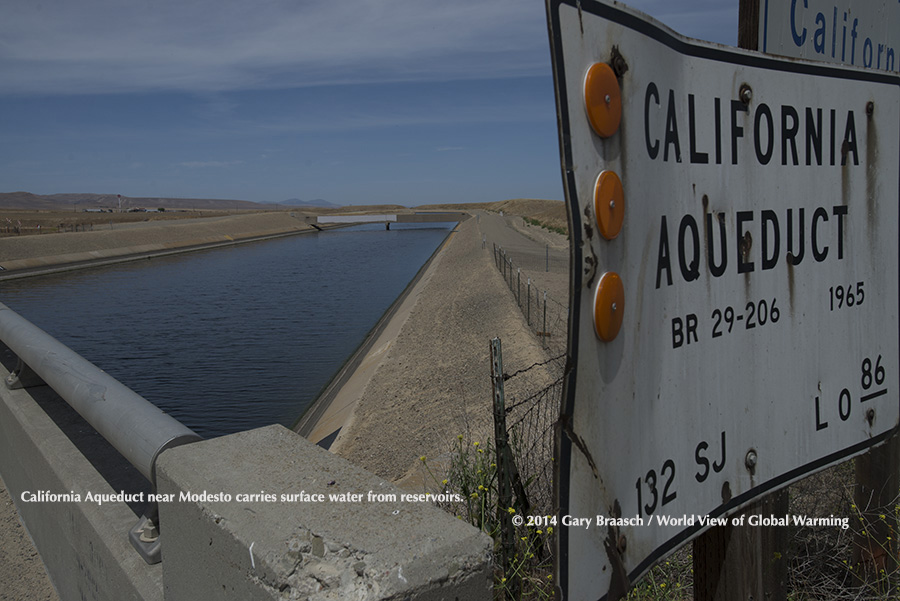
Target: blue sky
356 102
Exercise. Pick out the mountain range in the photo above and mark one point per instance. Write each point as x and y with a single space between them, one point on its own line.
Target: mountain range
316 202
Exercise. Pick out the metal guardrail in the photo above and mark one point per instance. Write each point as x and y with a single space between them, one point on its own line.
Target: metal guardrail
138 429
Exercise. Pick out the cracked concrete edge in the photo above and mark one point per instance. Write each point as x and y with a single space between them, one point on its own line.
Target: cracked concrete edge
319 551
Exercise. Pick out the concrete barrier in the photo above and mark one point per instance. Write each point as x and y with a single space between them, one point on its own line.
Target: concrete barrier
390 548
346 534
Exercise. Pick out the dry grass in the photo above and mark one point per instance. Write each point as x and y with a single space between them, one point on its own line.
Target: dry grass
824 560
27 221
54 221
549 212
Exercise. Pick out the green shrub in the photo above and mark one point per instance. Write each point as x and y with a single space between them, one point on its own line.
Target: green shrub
472 473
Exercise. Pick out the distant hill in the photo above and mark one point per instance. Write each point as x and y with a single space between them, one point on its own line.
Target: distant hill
316 202
68 202
27 200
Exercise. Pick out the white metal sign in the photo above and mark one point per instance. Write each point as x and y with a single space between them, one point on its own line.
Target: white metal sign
735 282
863 34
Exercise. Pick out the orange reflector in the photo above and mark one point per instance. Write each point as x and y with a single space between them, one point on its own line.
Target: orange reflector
603 99
609 204
609 306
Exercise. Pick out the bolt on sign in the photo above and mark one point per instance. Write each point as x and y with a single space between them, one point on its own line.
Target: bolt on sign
862 34
734 319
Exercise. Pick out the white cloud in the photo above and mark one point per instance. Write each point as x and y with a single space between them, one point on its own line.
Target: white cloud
58 46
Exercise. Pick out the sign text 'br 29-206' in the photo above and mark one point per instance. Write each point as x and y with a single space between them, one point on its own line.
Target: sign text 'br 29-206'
735 284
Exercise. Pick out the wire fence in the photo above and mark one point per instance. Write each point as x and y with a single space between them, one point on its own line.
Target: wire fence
510 477
537 260
548 318
524 435
31 230
530 429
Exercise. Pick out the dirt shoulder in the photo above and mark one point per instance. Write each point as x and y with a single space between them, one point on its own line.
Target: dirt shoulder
433 379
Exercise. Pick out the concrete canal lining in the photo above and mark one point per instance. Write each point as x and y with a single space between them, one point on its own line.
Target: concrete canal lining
44 254
323 420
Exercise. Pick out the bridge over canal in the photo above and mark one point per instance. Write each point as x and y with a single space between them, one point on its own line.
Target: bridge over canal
388 218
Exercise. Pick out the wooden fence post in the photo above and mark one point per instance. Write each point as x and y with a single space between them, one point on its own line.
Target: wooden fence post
875 497
744 562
